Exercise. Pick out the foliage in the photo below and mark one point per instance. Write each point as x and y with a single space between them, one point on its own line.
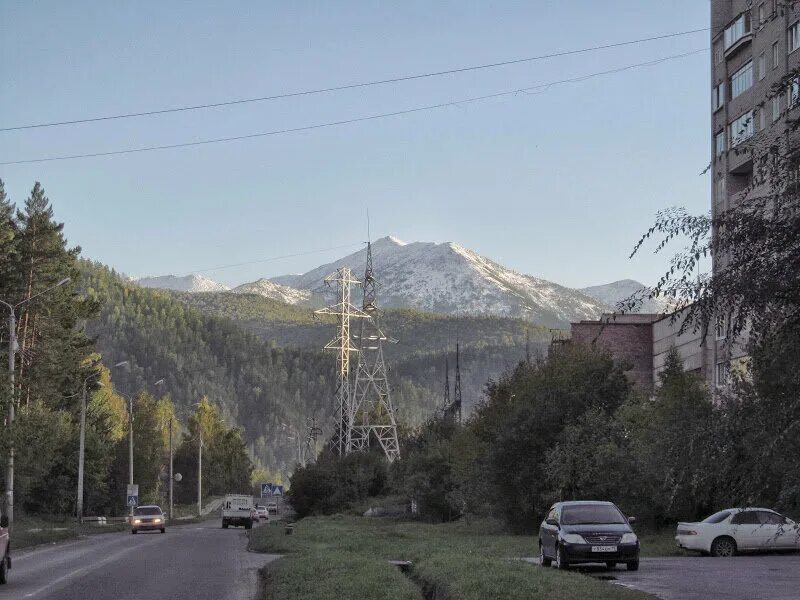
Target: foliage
333 484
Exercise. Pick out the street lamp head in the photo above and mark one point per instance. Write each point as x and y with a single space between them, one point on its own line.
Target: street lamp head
124 363
64 281
160 382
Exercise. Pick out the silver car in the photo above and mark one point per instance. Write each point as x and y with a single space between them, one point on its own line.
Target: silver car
148 518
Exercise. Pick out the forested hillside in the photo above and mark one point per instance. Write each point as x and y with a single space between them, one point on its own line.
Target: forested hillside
271 380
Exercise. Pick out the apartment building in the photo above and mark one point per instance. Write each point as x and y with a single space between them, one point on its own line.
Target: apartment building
755 46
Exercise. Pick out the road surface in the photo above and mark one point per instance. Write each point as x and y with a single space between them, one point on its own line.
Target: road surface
746 577
189 562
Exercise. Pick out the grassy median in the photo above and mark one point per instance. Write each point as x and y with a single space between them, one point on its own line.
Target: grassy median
347 557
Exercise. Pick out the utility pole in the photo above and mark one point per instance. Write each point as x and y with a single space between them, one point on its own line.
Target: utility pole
170 467
81 451
130 444
200 474
12 352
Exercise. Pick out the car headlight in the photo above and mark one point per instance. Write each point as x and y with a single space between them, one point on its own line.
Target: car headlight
156 520
629 538
137 521
572 538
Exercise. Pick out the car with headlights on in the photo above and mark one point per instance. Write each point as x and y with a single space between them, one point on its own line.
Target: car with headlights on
735 530
578 532
148 518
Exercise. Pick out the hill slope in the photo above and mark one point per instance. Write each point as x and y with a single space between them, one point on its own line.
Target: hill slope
188 283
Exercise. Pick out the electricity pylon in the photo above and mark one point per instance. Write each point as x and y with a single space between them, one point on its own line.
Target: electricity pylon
372 412
343 310
453 409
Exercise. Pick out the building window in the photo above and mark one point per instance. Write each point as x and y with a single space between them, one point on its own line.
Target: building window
776 108
720 143
721 328
720 191
741 129
718 55
737 30
762 118
722 374
718 97
793 40
762 13
742 80
793 93
776 57
762 65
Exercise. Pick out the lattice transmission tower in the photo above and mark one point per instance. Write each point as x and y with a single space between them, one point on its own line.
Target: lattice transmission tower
344 311
453 409
372 412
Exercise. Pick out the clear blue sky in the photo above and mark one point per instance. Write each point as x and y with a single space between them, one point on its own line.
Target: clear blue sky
558 184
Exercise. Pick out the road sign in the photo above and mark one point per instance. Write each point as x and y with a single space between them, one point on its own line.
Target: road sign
277 490
266 489
133 494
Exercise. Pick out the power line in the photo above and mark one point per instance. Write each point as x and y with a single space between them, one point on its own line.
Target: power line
350 86
543 87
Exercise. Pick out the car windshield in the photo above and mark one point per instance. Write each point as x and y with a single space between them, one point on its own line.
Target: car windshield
147 510
717 517
591 514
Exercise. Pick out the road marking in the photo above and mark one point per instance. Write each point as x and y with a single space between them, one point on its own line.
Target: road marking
83 570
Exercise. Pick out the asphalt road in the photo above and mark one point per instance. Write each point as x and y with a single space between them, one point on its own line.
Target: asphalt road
191 562
746 577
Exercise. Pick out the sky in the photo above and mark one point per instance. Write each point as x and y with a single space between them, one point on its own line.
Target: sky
558 182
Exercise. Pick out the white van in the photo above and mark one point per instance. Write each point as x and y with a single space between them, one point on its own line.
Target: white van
237 510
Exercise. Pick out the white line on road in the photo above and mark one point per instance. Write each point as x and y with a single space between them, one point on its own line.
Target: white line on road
84 570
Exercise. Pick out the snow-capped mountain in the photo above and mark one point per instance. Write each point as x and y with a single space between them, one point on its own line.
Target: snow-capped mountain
612 293
275 291
188 283
451 279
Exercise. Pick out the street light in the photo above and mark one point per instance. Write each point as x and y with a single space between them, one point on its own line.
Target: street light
82 445
12 350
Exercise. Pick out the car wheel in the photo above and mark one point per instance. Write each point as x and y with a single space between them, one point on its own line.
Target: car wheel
133 531
543 559
224 525
561 561
723 547
163 530
4 570
611 564
633 565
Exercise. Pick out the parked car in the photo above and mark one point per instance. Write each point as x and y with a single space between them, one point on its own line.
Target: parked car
587 532
5 549
272 508
262 511
739 530
148 518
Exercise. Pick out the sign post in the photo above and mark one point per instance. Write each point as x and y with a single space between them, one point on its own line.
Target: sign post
132 495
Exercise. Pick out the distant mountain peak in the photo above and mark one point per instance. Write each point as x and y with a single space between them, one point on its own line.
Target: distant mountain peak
269 289
617 291
186 283
452 279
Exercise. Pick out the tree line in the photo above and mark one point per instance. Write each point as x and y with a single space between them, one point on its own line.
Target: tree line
57 354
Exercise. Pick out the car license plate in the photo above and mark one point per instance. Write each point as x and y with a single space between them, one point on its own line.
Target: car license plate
604 548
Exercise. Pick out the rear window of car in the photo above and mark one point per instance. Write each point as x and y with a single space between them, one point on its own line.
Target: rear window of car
147 510
770 518
717 517
591 514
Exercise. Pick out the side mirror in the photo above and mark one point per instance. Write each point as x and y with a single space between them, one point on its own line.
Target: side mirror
4 521
552 522
631 520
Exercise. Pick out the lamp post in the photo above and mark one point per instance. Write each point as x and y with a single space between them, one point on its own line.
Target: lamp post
82 448
12 351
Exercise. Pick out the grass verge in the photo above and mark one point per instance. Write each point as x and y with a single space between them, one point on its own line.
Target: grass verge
346 557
